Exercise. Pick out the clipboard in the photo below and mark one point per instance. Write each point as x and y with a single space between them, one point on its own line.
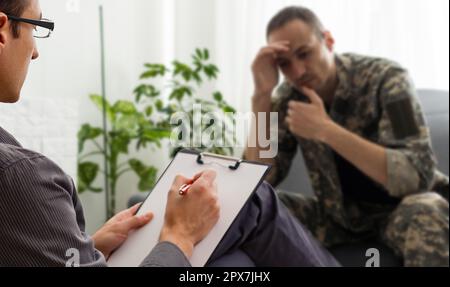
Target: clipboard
236 180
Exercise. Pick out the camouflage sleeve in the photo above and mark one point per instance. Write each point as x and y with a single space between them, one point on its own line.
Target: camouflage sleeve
287 143
403 131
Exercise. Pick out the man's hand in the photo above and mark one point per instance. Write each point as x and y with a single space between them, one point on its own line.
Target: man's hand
111 235
309 121
190 217
265 72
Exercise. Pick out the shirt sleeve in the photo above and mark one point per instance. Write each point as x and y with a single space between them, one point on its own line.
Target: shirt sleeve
166 254
40 225
403 131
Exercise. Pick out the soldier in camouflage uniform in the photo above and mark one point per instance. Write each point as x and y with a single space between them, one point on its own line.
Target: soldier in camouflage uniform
364 140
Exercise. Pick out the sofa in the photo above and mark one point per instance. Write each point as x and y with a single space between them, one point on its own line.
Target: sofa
435 104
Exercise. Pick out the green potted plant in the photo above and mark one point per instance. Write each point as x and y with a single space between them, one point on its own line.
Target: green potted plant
146 122
128 126
182 88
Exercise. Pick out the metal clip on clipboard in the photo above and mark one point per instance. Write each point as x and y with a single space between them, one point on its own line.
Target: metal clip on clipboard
201 160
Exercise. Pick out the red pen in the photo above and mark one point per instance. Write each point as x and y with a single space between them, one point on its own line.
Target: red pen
184 188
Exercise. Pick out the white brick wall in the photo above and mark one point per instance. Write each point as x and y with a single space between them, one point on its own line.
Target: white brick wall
48 126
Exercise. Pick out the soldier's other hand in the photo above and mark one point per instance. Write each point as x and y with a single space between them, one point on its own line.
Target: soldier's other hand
308 120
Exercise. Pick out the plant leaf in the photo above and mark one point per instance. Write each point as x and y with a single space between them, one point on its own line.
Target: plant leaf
128 125
119 144
154 70
148 111
124 107
199 53
98 101
87 132
148 179
218 97
137 166
228 109
159 105
87 172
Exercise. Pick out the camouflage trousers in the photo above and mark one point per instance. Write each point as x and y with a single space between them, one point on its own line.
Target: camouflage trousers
417 229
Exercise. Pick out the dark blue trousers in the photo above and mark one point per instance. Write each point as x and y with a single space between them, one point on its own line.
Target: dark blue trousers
266 234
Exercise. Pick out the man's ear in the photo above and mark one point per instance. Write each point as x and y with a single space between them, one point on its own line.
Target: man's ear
4 30
329 40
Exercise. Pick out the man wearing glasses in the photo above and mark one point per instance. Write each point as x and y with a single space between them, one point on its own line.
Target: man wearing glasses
21 49
41 217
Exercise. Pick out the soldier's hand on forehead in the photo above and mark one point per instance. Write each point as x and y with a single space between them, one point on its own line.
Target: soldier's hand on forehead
275 48
265 68
308 120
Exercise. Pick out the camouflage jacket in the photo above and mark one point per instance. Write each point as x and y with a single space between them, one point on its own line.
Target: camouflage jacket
376 100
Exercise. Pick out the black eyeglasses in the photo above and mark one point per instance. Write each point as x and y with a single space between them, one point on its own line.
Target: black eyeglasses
43 29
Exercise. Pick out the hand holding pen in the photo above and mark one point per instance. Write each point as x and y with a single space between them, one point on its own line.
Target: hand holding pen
186 186
192 211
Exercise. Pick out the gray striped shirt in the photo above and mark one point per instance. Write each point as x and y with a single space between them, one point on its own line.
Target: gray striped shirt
41 217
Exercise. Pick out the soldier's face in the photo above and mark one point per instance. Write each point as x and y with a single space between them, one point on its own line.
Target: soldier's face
310 60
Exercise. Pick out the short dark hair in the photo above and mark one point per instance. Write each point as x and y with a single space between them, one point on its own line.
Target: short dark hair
291 13
14 8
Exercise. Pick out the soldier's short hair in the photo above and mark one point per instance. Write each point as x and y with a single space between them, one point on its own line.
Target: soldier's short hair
14 8
291 13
